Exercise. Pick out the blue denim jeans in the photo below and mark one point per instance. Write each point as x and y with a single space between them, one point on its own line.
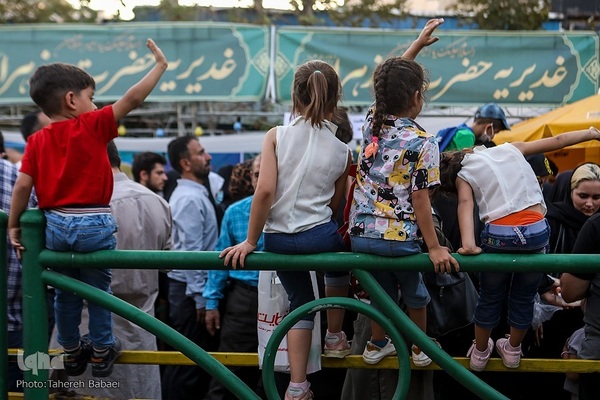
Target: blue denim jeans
413 290
532 238
520 288
322 238
82 233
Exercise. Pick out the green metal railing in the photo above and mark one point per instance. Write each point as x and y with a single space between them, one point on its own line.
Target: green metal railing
37 260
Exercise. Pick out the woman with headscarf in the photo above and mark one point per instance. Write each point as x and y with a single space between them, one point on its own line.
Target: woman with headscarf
567 217
580 192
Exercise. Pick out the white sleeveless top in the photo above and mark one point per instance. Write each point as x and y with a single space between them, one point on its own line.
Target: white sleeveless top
309 162
502 181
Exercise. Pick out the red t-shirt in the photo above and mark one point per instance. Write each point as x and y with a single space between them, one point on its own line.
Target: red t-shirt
69 163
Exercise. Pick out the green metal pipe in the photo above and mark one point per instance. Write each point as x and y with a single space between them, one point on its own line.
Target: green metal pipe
124 259
3 310
406 326
336 302
35 319
36 255
154 326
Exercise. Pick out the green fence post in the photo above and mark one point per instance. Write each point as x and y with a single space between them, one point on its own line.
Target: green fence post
3 309
35 320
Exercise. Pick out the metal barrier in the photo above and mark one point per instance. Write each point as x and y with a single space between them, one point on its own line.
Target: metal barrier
36 260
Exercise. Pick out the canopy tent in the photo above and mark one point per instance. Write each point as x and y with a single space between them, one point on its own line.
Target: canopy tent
579 115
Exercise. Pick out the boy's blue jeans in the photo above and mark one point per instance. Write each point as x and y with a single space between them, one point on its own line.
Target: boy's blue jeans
82 233
520 287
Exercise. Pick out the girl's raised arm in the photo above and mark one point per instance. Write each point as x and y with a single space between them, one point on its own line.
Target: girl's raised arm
557 142
425 39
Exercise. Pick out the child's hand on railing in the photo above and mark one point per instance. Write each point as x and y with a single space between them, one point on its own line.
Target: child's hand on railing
15 239
442 260
237 254
469 251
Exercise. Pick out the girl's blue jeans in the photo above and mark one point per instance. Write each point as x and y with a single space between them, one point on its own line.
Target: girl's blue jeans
494 287
322 238
413 290
82 234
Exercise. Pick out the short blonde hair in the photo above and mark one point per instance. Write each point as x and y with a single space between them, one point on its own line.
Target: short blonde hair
585 172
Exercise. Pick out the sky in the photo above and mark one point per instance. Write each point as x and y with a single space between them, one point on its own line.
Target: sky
112 6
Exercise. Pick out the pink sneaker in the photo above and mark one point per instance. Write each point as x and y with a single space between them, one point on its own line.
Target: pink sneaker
479 359
336 345
510 358
294 393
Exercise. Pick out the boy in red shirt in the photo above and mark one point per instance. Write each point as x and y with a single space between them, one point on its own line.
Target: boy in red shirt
67 162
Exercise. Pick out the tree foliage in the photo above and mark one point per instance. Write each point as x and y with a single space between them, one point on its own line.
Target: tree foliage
504 14
170 10
36 11
360 13
368 13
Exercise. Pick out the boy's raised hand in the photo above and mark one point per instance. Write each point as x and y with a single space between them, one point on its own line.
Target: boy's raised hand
159 57
136 94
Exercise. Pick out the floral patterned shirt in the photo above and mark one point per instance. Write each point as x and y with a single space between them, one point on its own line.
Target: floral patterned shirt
407 160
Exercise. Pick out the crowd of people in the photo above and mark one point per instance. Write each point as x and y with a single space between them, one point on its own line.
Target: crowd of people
288 200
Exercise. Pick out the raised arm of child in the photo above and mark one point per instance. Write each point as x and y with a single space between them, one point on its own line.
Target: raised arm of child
136 94
425 39
557 142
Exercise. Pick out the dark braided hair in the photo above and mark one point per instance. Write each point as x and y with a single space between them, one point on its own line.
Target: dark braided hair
395 82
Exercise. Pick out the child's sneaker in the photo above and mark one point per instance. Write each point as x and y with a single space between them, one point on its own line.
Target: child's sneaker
511 356
420 359
76 362
479 359
296 393
336 345
103 366
373 353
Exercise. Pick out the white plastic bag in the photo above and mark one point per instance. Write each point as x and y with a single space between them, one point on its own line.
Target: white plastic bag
273 305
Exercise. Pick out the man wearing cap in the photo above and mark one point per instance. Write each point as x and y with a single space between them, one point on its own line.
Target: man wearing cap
545 171
541 166
488 120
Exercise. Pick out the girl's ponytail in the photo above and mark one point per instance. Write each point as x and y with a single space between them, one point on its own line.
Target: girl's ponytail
316 91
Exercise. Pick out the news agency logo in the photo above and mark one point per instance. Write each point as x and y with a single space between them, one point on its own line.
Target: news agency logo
39 361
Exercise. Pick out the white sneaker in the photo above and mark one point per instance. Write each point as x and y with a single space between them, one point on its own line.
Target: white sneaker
421 359
373 353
